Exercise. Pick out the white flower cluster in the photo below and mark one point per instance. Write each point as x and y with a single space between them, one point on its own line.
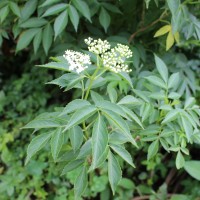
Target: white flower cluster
97 46
115 58
77 61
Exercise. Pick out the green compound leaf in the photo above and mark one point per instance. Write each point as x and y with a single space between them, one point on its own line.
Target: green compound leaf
76 137
162 68
74 16
180 161
55 9
156 81
104 19
99 140
123 153
36 144
25 38
47 37
80 183
37 40
114 172
57 140
153 149
15 9
60 23
72 165
83 8
119 123
80 116
192 167
47 120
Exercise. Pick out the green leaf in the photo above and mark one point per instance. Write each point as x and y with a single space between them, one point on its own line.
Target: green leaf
33 22
47 37
15 8
189 102
56 65
173 5
171 115
95 96
156 81
120 124
57 140
125 76
110 7
55 9
127 184
67 81
164 144
37 40
48 2
162 68
28 9
80 183
60 23
99 140
98 82
25 38
187 127
83 8
72 165
180 161
153 149
76 137
132 115
47 120
67 156
157 95
114 172
179 197
123 153
74 105
74 16
129 100
141 94
174 95
80 116
102 105
101 160
192 168
112 93
36 144
85 150
117 138
104 19
4 13
146 112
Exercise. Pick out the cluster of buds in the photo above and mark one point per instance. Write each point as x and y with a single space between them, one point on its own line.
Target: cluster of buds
113 59
97 46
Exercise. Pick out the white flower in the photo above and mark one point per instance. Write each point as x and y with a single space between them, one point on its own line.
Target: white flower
115 58
77 61
97 46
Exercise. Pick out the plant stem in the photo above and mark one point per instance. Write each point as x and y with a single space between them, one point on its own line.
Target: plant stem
148 26
92 79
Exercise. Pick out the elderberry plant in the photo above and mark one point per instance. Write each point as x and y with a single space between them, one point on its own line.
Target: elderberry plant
113 110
